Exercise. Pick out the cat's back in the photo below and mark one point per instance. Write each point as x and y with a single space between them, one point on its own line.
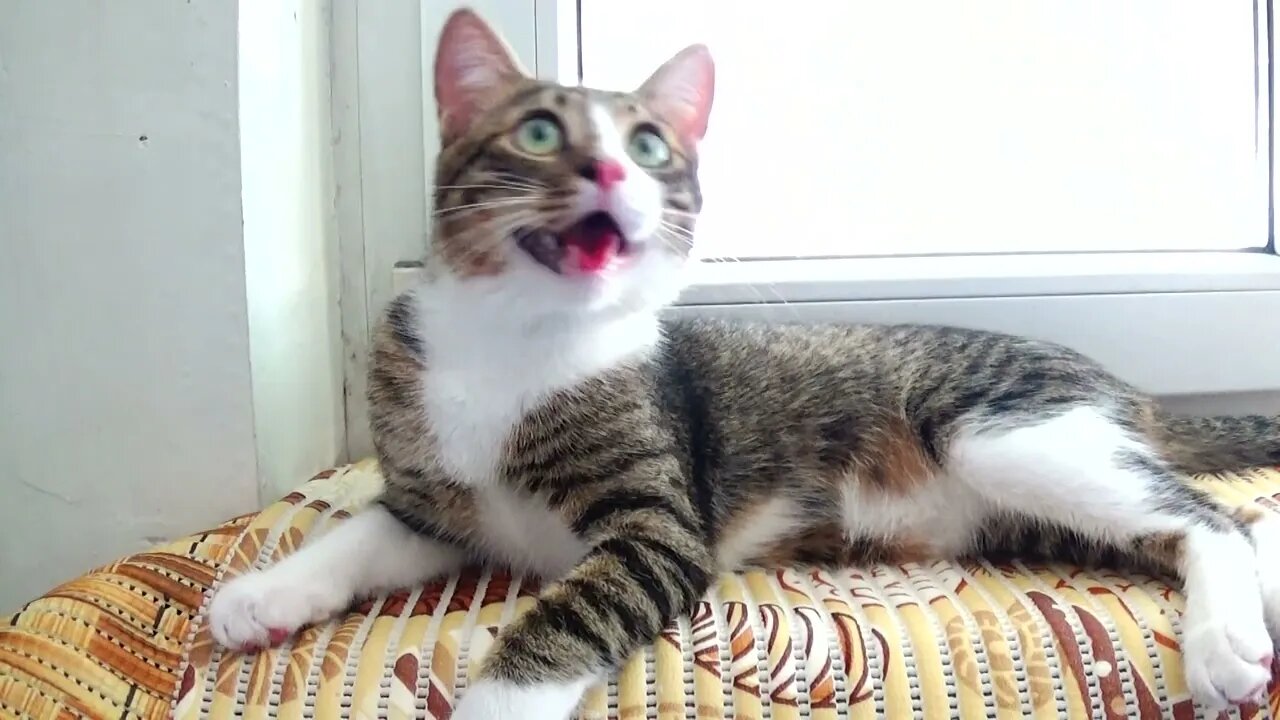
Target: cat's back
823 357
757 392
801 355
756 380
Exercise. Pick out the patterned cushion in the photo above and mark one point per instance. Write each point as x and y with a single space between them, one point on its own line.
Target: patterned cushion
938 640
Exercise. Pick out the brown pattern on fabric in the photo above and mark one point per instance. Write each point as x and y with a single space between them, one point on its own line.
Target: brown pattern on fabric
91 649
1034 658
113 643
338 648
292 687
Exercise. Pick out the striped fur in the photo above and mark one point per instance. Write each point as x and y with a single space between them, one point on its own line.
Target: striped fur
656 463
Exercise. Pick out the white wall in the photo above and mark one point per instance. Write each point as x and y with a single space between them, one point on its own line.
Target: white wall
124 370
290 253
385 145
127 404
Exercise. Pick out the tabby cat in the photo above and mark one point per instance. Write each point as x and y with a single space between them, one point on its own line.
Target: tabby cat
531 409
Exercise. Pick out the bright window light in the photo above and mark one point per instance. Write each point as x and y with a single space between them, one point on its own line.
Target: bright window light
901 128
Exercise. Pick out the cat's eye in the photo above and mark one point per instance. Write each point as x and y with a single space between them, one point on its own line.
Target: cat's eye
539 136
648 149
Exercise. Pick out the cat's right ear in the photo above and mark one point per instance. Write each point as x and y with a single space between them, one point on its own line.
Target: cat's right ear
681 91
473 69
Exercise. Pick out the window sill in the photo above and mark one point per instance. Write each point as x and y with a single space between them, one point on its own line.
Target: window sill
1197 329
973 276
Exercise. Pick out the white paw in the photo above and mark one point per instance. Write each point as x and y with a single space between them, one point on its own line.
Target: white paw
261 609
1266 537
1271 606
1228 661
495 700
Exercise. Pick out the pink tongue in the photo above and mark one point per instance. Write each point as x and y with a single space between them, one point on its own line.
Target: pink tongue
592 248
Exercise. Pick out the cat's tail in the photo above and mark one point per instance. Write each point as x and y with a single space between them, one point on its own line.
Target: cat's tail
1207 444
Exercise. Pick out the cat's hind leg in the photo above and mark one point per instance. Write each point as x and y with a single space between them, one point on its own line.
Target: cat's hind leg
1099 483
368 553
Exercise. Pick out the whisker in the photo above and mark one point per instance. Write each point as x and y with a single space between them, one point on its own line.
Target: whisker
684 241
667 242
755 287
666 234
680 213
483 186
676 229
498 203
494 232
512 219
518 179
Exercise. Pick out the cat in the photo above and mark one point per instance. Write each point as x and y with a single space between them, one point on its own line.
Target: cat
530 408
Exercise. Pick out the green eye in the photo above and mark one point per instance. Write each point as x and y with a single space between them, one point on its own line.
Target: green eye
539 136
648 149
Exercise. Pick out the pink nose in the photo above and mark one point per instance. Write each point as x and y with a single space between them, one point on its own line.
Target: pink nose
609 173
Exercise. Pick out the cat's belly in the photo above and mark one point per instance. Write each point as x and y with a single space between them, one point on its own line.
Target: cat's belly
521 531
934 519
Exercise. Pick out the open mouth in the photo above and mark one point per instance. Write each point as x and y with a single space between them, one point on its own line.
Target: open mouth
588 246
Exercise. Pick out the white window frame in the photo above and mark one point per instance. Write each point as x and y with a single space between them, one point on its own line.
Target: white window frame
1198 329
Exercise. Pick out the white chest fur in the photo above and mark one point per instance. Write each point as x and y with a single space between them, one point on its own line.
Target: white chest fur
472 418
526 534
483 376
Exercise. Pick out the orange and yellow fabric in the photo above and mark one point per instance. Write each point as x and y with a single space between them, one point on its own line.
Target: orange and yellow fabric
944 639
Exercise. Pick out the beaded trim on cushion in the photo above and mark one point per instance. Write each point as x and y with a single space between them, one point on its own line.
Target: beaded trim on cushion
943 639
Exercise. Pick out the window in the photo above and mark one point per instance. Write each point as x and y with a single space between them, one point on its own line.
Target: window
1088 172
875 128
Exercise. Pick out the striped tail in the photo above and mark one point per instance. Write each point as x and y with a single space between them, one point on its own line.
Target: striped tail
1222 443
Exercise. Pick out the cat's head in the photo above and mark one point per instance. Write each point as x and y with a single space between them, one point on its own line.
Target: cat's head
563 201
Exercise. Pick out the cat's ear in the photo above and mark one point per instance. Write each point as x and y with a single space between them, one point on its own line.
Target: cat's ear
680 91
474 68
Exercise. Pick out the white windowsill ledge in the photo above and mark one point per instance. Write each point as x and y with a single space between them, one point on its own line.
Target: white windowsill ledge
968 276
962 276
1204 324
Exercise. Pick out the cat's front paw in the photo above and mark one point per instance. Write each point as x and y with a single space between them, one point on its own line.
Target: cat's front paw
1228 662
261 609
1266 540
500 700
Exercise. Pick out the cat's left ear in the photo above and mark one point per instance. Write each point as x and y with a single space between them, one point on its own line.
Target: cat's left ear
680 91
